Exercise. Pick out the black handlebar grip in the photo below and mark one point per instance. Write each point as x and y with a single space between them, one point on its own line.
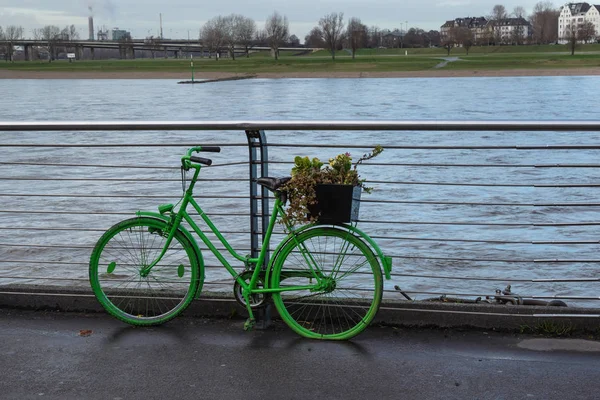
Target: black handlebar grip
201 160
212 149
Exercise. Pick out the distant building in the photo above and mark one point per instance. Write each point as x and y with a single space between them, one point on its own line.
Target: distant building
392 39
103 34
511 30
573 15
477 25
502 31
120 34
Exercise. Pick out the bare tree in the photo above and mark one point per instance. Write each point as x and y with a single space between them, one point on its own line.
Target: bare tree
153 43
332 26
544 21
231 32
247 34
314 39
261 38
3 47
519 12
373 37
571 35
499 12
69 34
13 32
449 40
213 35
463 36
586 31
355 34
294 41
277 29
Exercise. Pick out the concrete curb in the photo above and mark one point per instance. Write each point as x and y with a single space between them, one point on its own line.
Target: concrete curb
397 313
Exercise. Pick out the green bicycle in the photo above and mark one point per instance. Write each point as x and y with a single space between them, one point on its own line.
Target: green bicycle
325 280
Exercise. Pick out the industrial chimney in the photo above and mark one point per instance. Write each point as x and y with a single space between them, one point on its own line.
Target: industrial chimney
91 24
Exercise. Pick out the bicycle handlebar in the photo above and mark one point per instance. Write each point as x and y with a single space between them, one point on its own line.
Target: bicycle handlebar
211 149
200 160
197 149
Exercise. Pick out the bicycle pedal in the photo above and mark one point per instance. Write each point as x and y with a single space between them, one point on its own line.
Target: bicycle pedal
249 324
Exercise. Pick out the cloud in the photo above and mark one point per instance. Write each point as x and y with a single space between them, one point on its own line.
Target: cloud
455 3
33 18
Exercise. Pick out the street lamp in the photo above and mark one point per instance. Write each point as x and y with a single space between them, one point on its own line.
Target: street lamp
401 36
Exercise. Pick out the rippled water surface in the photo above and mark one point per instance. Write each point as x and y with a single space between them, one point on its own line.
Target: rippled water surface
484 222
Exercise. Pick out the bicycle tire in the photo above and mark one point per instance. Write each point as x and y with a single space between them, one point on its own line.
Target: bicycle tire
121 289
351 290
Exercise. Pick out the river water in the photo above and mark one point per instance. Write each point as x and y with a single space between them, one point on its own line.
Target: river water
495 235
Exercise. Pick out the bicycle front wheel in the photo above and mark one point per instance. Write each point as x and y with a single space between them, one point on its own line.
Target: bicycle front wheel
129 294
345 281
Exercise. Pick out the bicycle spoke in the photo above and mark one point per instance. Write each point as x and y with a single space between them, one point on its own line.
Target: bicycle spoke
143 300
350 284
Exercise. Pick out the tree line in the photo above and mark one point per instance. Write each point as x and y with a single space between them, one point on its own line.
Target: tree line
56 39
229 33
541 27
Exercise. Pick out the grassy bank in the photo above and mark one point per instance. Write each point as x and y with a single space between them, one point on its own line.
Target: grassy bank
491 58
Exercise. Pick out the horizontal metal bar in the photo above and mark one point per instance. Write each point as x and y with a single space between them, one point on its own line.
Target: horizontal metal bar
448 147
173 167
481 313
523 185
436 165
484 295
350 146
119 196
515 224
417 239
53 263
471 203
558 260
28 228
557 224
566 315
549 185
471 278
122 179
449 203
568 280
407 125
79 247
461 259
95 145
544 242
455 203
131 214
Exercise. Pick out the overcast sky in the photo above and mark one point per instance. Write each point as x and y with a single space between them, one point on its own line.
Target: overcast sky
141 17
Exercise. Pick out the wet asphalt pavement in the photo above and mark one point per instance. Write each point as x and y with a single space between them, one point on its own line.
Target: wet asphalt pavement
92 356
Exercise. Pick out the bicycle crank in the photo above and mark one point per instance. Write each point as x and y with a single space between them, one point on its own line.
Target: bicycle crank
257 300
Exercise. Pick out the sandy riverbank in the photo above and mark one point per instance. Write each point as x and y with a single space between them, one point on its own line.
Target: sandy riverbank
15 74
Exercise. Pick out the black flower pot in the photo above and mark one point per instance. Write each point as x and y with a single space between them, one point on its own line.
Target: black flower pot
336 204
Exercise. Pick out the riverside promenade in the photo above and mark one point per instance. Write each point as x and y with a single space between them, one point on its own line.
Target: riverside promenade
60 355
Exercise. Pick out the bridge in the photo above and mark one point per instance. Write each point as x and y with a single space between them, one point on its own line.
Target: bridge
127 48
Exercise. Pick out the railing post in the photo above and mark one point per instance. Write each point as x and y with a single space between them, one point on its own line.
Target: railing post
257 147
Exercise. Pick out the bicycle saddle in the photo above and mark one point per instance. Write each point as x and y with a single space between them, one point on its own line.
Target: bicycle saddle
273 183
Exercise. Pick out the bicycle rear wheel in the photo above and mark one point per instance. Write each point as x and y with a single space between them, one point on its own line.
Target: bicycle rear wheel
346 280
116 278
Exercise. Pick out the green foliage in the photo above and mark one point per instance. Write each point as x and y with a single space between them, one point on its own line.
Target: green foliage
307 174
549 328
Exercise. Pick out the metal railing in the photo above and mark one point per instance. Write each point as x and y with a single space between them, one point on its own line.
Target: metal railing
461 216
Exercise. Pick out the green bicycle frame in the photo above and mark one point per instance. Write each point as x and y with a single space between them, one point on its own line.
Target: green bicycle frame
183 215
278 211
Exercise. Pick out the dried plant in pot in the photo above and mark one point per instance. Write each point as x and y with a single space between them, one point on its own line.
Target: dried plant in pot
328 194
